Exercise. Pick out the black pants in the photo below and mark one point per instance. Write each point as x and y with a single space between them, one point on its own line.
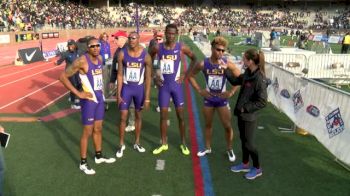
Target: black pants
75 80
246 133
345 48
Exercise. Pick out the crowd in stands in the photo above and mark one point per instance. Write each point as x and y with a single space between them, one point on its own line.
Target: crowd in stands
22 15
19 15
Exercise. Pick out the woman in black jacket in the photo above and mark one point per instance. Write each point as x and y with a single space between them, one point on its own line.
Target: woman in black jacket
252 97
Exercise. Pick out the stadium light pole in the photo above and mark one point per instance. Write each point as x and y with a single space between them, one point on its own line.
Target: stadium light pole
137 18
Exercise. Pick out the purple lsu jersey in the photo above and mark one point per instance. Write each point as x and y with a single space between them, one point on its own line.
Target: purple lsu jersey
215 80
92 109
133 79
133 68
169 63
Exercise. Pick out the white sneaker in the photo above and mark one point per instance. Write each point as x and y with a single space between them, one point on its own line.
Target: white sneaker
129 128
120 151
204 152
139 148
231 155
104 160
75 107
86 169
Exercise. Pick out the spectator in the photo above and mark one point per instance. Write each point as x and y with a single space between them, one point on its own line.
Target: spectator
105 50
345 43
69 56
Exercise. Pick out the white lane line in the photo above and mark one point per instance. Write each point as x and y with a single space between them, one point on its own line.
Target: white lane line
28 76
51 102
23 70
160 165
28 94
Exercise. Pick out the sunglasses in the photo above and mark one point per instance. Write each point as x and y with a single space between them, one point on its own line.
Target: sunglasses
220 50
132 38
94 46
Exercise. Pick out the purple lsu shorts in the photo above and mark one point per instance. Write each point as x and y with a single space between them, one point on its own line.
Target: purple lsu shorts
91 111
132 92
215 102
171 90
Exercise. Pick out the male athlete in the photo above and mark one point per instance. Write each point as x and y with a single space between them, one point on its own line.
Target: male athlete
170 82
134 82
89 67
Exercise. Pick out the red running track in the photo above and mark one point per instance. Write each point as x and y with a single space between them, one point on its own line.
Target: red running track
31 88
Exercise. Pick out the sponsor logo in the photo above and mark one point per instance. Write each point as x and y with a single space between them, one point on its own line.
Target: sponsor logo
334 123
50 54
313 110
139 59
176 51
284 93
29 58
90 119
297 101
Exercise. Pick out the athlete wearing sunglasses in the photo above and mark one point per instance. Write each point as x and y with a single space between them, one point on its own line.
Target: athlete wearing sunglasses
215 93
89 67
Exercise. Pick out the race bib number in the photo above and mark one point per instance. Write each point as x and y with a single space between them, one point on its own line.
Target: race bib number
215 82
98 82
167 66
132 74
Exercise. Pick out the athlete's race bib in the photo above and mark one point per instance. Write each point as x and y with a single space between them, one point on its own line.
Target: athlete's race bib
166 66
132 74
215 82
98 82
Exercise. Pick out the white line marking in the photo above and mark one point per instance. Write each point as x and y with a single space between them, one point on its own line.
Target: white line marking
28 76
51 102
160 164
23 70
29 94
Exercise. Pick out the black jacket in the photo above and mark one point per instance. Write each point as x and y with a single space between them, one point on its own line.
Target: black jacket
252 95
114 69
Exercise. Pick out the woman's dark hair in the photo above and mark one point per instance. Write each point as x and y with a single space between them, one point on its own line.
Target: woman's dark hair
258 57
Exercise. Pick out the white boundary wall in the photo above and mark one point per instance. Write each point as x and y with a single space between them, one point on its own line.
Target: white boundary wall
321 110
333 67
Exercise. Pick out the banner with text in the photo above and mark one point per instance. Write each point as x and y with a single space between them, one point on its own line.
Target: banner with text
26 37
319 109
4 39
50 35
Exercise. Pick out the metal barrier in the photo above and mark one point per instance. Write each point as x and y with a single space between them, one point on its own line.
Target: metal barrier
333 68
291 62
329 66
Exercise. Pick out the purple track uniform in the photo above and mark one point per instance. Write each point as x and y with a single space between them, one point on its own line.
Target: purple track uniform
92 109
170 69
133 88
215 83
